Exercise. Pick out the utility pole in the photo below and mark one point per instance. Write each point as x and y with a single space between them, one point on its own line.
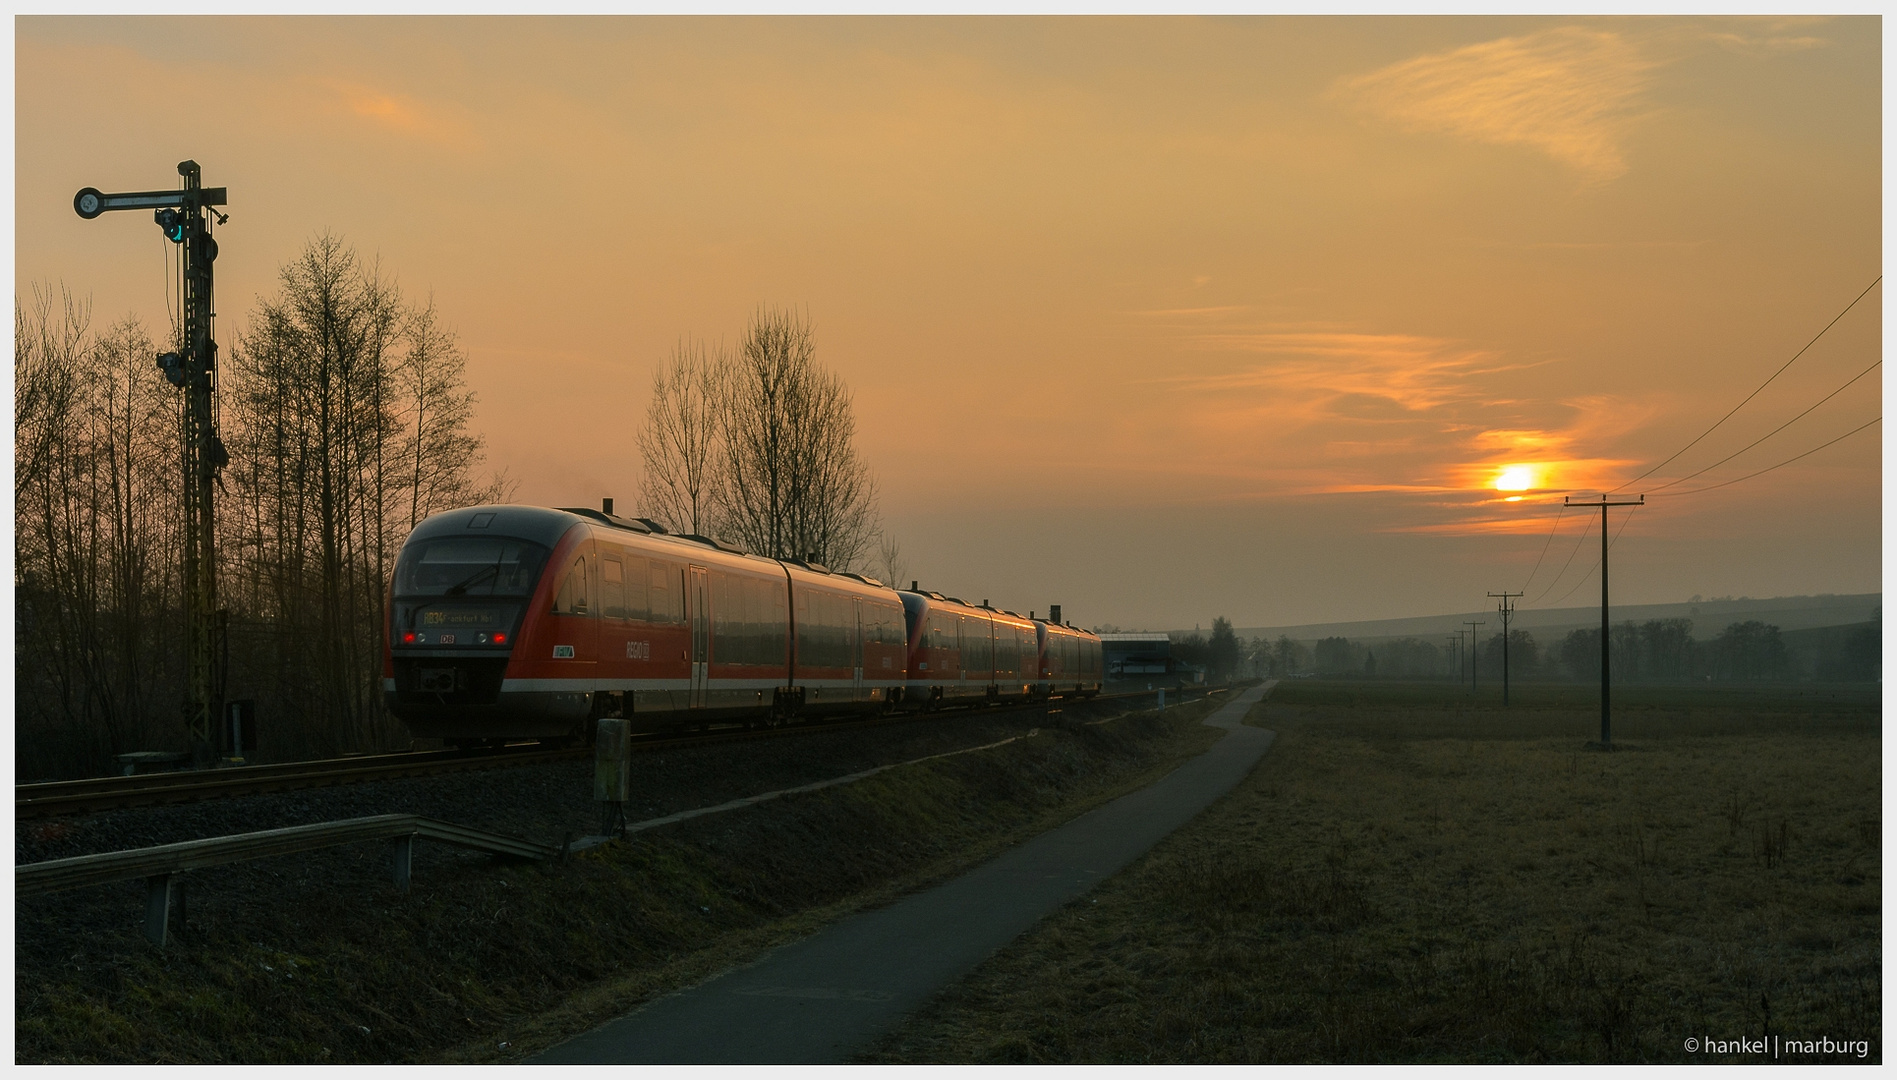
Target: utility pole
1455 654
1472 645
1507 609
1607 731
182 214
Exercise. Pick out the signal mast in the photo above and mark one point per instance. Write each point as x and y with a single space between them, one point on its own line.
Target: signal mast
187 216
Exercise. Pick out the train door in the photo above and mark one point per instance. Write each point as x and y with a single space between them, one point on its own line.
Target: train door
856 650
698 595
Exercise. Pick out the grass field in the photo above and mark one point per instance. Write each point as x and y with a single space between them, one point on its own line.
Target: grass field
490 962
1409 877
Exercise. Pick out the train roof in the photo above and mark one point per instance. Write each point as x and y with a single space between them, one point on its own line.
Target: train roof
546 525
540 524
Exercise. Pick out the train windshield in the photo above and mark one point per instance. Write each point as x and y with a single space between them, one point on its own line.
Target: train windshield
468 566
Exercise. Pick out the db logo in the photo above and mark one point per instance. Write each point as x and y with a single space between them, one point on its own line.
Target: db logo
563 652
638 650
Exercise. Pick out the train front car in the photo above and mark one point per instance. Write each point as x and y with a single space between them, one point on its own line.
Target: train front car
1072 661
469 596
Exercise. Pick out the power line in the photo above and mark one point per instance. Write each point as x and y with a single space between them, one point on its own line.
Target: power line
1755 393
1771 433
1565 565
1780 465
1544 546
1597 565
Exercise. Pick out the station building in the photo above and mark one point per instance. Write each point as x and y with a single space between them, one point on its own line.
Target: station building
1137 656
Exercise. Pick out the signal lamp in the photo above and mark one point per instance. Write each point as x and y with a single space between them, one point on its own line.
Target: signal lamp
172 222
408 638
500 639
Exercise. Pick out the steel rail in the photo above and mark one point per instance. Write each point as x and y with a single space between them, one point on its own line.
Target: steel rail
119 792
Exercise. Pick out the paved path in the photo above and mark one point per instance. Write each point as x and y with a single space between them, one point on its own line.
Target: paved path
824 998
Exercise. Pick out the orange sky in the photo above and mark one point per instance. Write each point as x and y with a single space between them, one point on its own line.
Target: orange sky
1160 319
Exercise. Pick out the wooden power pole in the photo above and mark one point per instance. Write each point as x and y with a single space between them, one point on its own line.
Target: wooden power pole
1472 645
1607 729
1507 609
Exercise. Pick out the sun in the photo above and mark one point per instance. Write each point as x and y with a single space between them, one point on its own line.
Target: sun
1515 478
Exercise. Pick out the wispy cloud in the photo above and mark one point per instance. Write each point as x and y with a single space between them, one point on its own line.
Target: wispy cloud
1323 409
403 114
1568 92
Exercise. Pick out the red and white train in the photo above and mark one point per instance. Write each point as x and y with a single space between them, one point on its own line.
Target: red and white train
527 622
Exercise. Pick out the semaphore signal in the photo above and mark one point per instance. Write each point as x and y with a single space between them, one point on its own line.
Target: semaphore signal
186 216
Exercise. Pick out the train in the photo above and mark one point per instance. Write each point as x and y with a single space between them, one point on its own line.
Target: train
511 622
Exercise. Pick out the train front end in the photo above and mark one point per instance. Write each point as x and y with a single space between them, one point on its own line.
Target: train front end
467 584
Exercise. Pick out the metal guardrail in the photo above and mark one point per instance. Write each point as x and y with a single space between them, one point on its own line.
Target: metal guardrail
160 866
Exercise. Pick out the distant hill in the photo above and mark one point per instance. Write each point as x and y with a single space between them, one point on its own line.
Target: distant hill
1551 624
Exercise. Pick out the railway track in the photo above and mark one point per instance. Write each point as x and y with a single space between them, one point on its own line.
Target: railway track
117 792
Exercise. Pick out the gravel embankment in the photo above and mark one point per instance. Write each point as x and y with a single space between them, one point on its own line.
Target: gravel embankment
542 802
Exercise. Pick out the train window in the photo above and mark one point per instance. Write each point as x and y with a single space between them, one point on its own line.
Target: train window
662 605
976 644
1007 651
823 630
571 599
770 614
482 566
612 588
636 586
727 618
753 622
880 625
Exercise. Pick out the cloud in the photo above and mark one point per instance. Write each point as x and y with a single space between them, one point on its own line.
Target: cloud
1770 35
1568 93
1312 409
403 114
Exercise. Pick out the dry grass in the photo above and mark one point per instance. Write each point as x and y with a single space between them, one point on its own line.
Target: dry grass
493 961
1410 878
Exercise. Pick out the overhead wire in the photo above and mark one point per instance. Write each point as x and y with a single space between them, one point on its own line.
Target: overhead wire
1544 546
1772 432
1754 393
1564 566
1780 465
1615 539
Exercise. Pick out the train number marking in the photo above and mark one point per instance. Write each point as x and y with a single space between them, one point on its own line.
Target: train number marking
563 652
638 650
447 639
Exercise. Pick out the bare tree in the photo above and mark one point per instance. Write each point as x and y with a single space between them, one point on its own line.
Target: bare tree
48 340
889 561
315 421
440 451
95 511
792 484
681 437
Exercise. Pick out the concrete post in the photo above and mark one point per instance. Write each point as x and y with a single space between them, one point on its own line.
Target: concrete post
158 891
404 849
